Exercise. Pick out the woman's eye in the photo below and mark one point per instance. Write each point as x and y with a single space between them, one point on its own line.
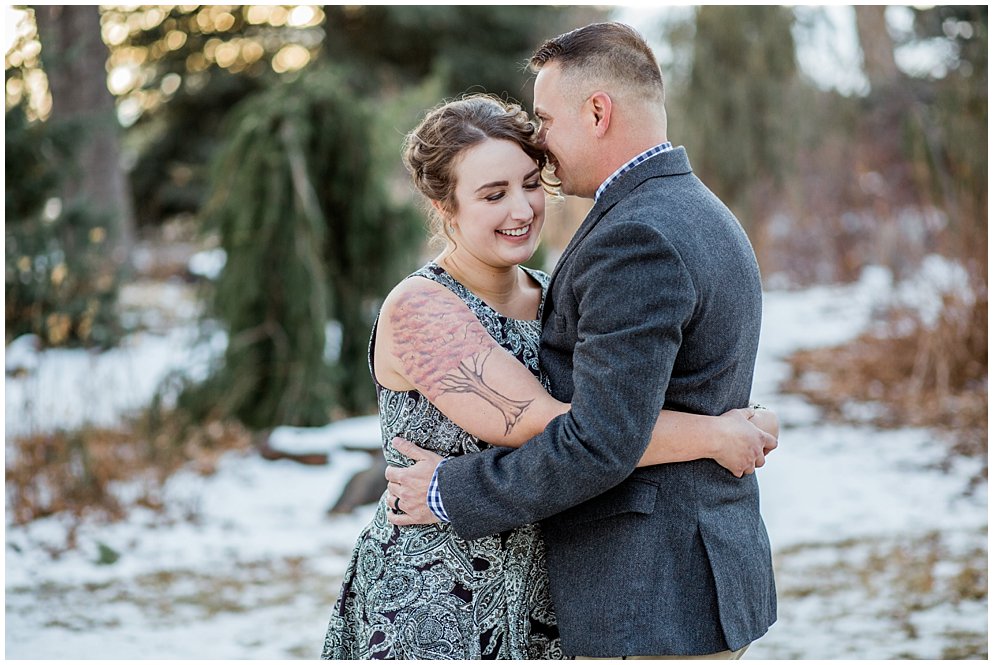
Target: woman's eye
495 197
532 185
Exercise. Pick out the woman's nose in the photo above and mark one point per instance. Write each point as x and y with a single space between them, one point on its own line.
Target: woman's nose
522 209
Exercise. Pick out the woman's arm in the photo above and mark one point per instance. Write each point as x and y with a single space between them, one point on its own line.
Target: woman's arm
738 440
428 340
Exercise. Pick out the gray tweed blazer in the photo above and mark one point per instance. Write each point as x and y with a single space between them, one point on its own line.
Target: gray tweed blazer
655 302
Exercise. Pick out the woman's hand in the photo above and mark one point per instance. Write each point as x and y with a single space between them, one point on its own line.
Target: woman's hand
749 435
765 420
738 440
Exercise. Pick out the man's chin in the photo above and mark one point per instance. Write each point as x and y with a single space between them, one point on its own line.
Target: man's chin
568 190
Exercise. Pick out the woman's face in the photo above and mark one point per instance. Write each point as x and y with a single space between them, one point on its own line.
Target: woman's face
501 203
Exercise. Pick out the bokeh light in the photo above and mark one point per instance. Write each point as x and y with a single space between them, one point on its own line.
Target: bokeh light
290 58
237 37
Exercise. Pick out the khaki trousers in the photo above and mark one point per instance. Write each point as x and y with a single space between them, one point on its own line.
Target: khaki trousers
722 655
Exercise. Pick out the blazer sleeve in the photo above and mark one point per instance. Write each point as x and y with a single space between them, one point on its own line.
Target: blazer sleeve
634 296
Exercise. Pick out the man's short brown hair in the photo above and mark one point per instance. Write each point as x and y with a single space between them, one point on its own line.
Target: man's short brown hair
604 52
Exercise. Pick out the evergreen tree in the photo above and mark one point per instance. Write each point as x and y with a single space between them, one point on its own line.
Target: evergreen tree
310 237
197 62
172 170
67 219
466 48
58 282
735 115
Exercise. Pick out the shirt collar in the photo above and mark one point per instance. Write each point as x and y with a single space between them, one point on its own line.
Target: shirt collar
648 154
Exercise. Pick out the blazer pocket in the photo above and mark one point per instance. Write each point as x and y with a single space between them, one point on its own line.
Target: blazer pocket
631 496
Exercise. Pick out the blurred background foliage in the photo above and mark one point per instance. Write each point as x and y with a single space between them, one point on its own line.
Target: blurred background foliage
297 199
273 132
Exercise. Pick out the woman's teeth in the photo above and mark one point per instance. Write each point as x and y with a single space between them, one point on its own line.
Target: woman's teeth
515 233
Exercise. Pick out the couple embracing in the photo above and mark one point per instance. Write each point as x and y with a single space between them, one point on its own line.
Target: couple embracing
571 456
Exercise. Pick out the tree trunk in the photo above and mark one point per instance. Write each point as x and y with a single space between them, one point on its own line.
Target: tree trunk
878 57
75 61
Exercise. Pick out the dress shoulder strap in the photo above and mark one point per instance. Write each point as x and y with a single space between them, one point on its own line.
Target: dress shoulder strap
436 273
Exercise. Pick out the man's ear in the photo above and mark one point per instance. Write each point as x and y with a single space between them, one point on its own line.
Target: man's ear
601 106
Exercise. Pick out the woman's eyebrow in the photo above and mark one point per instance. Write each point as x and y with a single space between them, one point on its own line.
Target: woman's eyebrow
504 183
498 183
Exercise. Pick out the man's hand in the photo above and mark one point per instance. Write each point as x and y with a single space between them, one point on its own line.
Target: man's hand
410 485
746 443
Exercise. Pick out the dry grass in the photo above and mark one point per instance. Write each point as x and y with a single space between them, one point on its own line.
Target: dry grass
81 473
916 374
892 596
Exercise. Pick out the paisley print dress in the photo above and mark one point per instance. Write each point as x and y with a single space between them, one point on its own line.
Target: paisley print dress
421 592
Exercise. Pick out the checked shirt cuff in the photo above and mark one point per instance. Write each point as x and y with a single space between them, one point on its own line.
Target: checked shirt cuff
434 496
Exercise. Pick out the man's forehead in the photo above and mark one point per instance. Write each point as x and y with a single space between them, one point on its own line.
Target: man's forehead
543 89
551 86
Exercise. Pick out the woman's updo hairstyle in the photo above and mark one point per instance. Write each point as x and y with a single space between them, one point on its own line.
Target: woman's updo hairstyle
432 149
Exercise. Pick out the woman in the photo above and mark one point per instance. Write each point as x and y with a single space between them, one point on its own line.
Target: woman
454 355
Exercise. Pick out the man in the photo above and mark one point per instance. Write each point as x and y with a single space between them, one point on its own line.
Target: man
655 301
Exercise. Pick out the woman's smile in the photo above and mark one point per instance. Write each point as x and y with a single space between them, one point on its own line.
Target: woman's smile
516 234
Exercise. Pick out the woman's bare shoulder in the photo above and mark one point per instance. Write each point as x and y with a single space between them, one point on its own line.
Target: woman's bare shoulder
417 300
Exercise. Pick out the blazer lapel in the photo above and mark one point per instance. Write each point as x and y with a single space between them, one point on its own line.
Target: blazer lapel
672 162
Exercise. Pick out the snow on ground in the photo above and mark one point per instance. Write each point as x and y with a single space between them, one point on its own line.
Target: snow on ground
871 540
253 576
67 388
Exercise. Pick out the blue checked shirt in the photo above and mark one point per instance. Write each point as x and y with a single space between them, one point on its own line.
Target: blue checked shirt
434 492
434 495
645 156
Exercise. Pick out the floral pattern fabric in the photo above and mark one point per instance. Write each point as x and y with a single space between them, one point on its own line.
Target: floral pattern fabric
422 592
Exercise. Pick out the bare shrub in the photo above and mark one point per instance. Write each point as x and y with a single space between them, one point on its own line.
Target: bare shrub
919 373
83 473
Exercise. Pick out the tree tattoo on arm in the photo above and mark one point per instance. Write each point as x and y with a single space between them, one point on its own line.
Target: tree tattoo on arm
443 348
